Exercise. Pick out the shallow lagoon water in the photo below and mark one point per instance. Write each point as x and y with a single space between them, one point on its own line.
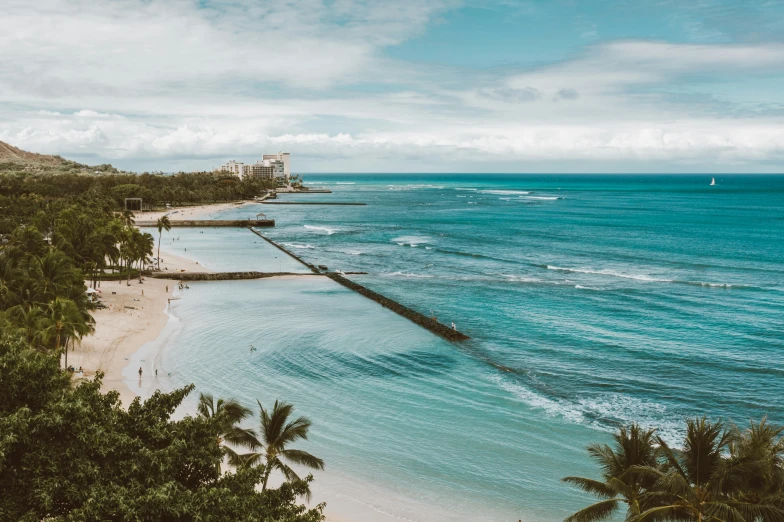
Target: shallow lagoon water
591 301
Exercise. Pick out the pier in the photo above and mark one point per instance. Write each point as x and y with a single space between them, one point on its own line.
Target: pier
209 223
429 323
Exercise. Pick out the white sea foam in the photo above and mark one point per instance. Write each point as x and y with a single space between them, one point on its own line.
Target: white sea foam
611 273
581 287
471 189
329 231
462 196
504 192
412 241
352 252
345 183
543 198
602 411
299 245
409 274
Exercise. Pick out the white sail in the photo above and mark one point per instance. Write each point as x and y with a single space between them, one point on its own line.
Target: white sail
713 181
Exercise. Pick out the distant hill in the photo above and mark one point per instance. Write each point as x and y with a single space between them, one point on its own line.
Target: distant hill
14 159
11 154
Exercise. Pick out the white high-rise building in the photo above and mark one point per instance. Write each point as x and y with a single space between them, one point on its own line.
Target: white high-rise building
285 158
275 167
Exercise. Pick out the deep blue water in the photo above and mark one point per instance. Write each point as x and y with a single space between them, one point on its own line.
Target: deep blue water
591 301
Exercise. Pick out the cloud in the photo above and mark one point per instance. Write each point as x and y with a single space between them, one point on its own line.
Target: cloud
178 84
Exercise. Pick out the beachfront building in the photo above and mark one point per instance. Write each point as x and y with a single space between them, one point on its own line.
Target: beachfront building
273 167
232 167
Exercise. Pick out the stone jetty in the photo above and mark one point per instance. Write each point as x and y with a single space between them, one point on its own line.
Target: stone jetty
429 323
209 223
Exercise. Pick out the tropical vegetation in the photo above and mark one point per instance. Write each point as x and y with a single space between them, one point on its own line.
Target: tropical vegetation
69 451
719 473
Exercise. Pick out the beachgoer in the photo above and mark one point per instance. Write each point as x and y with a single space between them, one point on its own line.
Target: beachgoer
140 372
156 372
167 289
142 292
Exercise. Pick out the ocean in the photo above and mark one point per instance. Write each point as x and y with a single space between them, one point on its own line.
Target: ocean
591 301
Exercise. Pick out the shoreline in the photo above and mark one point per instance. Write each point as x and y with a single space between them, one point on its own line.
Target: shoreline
134 330
134 316
187 213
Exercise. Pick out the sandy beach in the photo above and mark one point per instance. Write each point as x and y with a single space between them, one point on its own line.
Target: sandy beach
184 213
134 316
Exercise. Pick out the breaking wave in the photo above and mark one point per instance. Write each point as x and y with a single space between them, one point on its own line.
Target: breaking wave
329 231
412 241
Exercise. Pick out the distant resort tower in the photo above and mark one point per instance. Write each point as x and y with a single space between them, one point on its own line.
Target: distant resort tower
275 167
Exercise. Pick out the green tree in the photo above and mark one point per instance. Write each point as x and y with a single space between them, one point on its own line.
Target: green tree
162 224
228 415
620 483
277 434
63 321
690 483
72 453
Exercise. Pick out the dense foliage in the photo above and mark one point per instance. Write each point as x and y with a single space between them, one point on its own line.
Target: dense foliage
69 452
72 453
721 474
111 187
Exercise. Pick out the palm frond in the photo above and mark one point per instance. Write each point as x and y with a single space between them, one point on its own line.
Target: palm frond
595 487
595 512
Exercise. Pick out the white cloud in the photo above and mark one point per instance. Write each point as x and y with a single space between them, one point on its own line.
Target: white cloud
165 84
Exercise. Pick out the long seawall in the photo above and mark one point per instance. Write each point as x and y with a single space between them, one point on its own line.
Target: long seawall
412 315
286 250
221 276
209 223
428 323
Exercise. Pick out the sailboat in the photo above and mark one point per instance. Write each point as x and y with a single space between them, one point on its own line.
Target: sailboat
713 181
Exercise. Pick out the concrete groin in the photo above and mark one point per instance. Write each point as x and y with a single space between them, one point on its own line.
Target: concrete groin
311 203
220 276
429 323
422 320
286 250
212 223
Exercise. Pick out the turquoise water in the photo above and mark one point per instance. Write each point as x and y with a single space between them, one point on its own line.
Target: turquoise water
591 301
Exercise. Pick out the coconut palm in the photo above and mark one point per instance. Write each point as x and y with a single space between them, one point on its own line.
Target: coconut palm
162 224
277 433
62 320
620 484
25 322
755 464
127 218
228 414
690 484
53 273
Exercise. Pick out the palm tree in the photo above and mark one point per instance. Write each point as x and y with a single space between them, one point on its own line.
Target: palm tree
162 224
127 218
25 321
53 272
144 247
277 433
690 485
229 414
62 320
620 484
755 465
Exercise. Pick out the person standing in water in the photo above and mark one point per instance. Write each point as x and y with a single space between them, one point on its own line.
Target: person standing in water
140 372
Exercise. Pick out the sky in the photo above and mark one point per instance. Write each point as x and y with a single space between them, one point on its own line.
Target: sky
620 86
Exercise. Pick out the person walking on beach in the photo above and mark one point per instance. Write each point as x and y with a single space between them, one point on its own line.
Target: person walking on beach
140 372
